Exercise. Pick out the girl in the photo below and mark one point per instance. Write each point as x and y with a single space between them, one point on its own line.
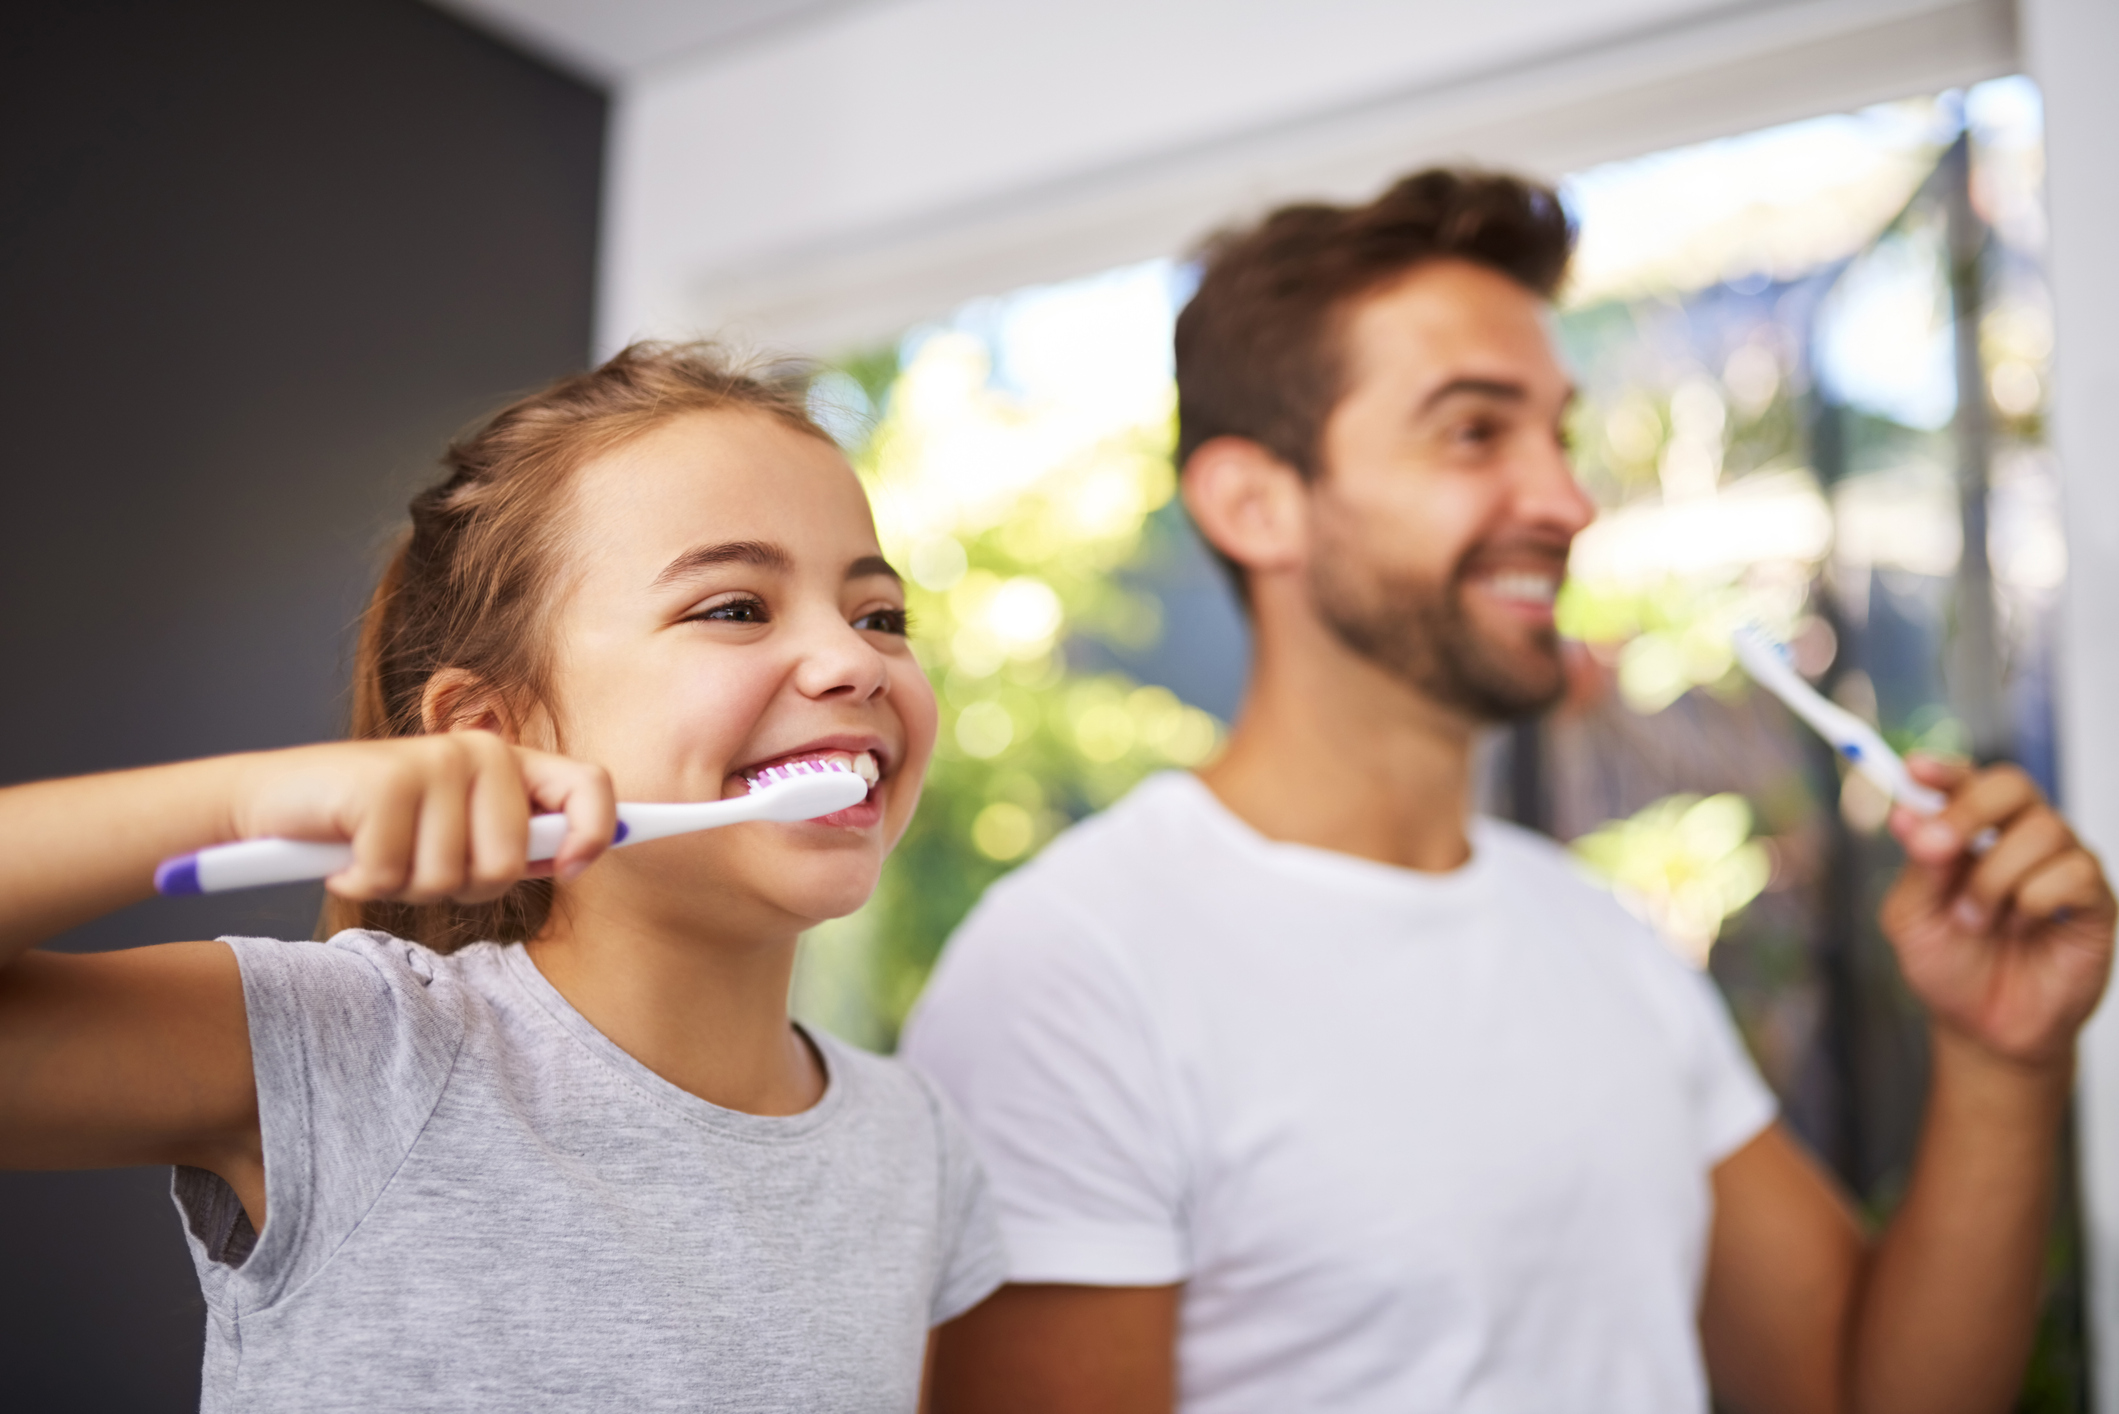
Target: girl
535 1137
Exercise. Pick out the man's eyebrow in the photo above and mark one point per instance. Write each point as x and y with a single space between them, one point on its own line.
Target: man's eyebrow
1477 388
759 553
872 565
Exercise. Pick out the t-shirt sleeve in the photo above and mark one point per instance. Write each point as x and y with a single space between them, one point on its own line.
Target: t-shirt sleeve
351 1042
1731 1103
973 1262
1037 1031
1731 1098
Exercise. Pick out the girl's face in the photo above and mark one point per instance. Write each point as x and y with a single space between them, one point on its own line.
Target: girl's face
726 608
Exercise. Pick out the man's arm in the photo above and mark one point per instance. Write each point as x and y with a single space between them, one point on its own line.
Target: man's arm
1050 1349
1800 1313
2009 949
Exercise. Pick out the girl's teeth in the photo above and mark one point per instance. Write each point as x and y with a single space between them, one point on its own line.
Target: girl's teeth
863 765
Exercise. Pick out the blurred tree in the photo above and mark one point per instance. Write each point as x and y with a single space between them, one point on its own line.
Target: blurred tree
1012 523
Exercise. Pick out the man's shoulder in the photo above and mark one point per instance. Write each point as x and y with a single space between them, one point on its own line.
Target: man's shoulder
1524 854
1551 890
1539 869
1099 856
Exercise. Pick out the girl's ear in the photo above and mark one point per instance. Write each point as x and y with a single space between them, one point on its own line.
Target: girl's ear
455 700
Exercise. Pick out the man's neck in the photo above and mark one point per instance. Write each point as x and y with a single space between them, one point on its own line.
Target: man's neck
1339 755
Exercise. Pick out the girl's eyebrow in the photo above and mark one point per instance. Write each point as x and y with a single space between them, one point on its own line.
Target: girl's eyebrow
872 565
763 554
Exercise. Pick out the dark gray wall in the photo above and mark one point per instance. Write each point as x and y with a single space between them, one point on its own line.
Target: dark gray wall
257 262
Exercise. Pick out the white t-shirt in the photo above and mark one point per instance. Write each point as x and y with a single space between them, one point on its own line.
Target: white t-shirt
1411 1141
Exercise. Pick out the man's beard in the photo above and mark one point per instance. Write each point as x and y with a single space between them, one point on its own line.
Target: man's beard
1423 635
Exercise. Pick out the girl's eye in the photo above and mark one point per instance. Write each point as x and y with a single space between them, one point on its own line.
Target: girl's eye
894 621
732 611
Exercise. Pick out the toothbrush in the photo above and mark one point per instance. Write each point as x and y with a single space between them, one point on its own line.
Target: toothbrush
1854 739
800 790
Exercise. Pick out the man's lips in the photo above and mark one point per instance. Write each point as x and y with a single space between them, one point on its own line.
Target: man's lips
1523 589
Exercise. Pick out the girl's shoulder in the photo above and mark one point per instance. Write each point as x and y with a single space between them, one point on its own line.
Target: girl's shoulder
893 1099
357 978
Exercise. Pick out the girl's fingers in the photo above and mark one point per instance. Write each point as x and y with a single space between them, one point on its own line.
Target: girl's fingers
382 840
441 852
583 791
500 822
2032 841
447 817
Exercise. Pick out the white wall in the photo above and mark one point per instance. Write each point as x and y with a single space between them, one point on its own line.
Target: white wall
832 183
2071 47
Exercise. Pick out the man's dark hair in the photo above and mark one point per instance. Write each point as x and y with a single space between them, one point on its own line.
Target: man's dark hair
1258 346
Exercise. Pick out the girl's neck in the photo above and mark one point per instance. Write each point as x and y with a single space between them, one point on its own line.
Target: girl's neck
708 1015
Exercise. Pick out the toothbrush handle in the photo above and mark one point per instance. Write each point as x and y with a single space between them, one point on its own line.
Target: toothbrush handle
250 864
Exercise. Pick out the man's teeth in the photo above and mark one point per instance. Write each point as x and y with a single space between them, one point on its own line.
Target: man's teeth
1529 588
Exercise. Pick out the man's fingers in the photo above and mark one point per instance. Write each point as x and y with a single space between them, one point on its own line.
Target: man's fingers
2071 884
1987 799
2033 840
1945 773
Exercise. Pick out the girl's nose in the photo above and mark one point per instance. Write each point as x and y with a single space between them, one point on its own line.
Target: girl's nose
838 663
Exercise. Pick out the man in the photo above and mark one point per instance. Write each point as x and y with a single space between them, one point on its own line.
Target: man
1299 1092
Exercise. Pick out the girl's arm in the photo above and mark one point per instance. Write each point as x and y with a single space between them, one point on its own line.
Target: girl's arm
144 1056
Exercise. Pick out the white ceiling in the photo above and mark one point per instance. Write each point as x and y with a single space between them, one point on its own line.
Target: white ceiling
819 174
612 40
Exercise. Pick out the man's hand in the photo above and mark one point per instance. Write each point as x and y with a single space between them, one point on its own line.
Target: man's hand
2008 945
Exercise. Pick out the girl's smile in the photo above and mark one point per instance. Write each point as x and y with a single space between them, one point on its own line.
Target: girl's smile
729 610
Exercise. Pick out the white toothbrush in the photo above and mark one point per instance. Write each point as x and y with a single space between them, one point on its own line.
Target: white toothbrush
1862 746
800 790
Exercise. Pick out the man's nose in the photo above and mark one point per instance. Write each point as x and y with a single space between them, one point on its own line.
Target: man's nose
1550 495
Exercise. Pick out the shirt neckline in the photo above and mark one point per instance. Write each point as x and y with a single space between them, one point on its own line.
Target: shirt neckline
1386 883
516 962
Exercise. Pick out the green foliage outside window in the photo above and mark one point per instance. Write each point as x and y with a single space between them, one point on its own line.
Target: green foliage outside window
1014 526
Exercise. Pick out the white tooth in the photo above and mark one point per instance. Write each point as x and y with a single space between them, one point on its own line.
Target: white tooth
865 767
1534 588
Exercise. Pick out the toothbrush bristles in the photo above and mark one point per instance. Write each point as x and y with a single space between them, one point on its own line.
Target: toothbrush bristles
773 775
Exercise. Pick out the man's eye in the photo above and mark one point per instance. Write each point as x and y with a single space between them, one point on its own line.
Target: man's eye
733 611
896 621
1476 434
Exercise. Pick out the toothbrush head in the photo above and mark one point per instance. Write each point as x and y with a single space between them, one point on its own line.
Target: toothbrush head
803 790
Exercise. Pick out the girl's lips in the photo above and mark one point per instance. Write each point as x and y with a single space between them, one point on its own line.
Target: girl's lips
864 761
854 817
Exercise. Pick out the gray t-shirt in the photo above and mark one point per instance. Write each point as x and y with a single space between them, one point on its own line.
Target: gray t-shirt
476 1201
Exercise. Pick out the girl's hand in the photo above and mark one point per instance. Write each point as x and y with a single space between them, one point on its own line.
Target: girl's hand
2010 946
430 817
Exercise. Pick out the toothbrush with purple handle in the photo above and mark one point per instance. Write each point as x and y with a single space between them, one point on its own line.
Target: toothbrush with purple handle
800 790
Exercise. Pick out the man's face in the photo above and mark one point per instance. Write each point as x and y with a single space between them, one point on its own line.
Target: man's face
1445 504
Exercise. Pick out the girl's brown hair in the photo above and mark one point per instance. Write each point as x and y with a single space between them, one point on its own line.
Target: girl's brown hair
470 585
